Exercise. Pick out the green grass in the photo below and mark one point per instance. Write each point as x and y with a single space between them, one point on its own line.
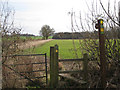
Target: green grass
25 38
33 37
66 49
22 38
50 37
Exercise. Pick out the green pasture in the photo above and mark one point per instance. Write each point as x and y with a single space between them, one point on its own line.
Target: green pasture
33 37
24 38
66 48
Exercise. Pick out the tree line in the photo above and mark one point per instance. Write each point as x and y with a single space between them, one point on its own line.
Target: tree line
111 34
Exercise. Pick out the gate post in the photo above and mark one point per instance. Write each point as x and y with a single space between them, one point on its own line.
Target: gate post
54 66
85 66
46 68
51 66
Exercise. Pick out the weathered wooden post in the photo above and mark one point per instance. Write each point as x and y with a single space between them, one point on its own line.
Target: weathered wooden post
85 66
51 66
119 32
103 63
54 66
102 53
46 68
119 37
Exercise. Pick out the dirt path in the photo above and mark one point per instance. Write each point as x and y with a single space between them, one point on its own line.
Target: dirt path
30 44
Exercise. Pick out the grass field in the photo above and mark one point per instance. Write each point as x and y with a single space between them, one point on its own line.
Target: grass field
33 37
25 38
66 49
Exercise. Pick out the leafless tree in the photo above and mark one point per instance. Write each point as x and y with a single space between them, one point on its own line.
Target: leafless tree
8 34
10 39
90 43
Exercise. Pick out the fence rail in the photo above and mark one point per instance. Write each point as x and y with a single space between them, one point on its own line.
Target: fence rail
24 55
77 71
66 60
26 64
54 71
79 59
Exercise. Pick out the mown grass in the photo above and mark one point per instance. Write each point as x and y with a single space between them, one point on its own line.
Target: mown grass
66 48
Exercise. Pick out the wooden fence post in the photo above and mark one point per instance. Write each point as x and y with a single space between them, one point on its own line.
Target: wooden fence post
54 66
85 66
102 53
51 66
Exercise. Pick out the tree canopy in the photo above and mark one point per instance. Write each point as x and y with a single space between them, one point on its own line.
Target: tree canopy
46 31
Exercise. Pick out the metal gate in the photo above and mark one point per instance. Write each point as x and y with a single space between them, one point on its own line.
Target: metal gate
30 67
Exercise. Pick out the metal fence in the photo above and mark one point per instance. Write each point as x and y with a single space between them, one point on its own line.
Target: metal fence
25 69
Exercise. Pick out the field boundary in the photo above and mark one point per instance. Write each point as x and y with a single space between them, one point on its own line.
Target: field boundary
54 67
31 44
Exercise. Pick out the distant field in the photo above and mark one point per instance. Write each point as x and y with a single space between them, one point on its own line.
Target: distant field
66 49
25 38
33 37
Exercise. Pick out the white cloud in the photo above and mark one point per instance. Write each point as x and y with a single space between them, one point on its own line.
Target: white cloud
38 14
32 14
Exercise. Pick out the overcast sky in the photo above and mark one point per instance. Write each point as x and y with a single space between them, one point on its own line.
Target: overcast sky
33 14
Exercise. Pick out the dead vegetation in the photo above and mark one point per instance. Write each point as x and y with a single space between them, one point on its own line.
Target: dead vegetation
14 75
11 73
18 68
91 46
